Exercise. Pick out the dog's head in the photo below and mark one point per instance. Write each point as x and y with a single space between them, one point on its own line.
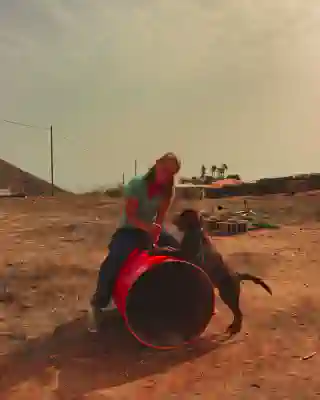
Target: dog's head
188 220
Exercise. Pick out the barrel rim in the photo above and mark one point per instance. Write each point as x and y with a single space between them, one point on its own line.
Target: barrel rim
213 303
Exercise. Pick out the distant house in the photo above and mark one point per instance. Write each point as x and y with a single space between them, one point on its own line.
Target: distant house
10 193
5 192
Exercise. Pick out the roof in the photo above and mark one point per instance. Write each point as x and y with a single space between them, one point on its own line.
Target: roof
225 182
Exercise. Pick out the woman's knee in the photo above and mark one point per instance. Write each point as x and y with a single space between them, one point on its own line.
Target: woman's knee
123 244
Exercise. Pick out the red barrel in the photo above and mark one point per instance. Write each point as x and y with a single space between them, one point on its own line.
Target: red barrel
165 302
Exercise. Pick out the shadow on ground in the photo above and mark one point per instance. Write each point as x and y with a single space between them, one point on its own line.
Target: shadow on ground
88 362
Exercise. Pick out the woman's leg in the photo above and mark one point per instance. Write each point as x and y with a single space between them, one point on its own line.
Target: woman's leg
121 246
167 240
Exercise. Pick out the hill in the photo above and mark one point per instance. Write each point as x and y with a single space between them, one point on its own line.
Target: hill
19 181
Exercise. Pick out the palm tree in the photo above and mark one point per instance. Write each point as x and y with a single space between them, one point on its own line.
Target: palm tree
203 171
213 171
223 170
225 167
220 171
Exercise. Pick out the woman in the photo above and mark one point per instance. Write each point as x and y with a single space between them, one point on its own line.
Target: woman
147 200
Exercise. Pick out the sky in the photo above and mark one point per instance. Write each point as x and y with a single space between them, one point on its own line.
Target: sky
216 81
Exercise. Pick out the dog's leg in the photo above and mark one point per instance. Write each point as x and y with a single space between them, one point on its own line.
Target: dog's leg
229 291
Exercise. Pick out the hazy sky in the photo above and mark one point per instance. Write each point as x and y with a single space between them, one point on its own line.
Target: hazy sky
233 81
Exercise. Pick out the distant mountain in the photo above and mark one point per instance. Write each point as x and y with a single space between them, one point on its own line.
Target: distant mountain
19 181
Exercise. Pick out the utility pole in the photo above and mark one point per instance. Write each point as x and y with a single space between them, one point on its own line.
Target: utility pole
135 167
51 146
51 161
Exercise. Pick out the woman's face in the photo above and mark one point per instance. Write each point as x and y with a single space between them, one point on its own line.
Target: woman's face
165 171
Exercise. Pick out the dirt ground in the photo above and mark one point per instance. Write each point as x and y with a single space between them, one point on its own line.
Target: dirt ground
50 254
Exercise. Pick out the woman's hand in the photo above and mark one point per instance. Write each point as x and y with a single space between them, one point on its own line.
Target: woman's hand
155 232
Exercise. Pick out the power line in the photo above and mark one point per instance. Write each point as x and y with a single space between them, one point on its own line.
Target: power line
26 125
49 129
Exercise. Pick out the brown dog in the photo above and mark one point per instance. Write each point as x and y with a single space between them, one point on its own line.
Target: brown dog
197 248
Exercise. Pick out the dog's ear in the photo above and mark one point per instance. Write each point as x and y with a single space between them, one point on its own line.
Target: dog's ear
201 219
192 218
181 221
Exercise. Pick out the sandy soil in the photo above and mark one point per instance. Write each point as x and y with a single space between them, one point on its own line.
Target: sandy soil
50 254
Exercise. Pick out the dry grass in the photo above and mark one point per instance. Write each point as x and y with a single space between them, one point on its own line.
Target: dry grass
50 253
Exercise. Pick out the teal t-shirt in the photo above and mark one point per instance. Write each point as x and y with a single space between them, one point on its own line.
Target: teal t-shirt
147 207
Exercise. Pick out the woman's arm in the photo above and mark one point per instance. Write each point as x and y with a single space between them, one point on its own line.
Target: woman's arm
133 191
162 212
164 207
131 206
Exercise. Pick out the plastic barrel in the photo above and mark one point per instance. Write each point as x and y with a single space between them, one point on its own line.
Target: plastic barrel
165 302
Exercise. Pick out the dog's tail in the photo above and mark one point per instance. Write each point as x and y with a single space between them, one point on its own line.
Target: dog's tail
254 279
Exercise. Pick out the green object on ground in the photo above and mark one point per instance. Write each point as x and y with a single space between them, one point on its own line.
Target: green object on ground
263 225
